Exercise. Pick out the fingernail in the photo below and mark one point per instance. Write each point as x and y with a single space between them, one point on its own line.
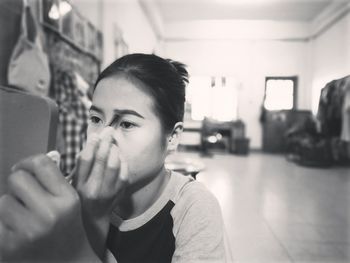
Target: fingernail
14 168
113 158
55 157
109 137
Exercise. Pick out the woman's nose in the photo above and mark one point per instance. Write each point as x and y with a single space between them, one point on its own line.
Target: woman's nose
109 131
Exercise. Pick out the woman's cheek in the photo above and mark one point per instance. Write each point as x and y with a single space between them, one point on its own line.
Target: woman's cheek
131 147
143 154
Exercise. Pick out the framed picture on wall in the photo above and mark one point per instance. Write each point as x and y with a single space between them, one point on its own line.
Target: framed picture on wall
120 46
51 14
67 25
36 8
79 28
99 45
90 37
94 40
65 19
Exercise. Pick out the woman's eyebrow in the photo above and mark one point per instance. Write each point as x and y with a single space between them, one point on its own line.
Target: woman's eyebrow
94 108
126 112
117 111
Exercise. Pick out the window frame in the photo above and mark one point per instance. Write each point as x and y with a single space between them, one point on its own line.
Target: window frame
295 89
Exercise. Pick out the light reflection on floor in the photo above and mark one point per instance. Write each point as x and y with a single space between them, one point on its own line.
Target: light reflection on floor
276 211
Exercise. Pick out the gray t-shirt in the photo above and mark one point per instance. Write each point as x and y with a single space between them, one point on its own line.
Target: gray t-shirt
183 226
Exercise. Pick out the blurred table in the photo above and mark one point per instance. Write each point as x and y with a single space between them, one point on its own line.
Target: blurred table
185 165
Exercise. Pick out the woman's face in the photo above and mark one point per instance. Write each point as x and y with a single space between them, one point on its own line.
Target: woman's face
124 105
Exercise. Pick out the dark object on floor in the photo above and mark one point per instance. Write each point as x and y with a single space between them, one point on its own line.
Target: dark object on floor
306 146
277 125
227 137
240 146
315 153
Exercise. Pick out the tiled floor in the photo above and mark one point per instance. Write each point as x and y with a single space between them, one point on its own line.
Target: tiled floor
276 211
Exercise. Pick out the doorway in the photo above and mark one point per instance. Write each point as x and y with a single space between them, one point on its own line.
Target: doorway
280 101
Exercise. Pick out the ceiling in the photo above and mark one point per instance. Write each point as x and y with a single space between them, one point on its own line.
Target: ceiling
277 10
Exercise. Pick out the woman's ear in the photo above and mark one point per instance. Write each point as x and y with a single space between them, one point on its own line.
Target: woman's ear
174 137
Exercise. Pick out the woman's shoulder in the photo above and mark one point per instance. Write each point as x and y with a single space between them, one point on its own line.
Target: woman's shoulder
193 201
191 191
197 224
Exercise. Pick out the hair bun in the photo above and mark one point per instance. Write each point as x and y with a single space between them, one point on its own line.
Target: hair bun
181 70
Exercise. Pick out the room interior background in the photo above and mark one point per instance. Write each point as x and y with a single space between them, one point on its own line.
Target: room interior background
243 46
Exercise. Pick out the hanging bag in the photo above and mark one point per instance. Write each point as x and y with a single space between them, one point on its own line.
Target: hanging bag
29 66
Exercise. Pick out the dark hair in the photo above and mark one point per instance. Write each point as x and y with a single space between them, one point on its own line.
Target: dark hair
165 80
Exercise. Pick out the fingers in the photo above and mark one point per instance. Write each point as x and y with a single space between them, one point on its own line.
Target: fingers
86 158
4 233
18 220
19 182
7 242
98 170
12 214
113 165
123 178
116 174
113 158
46 172
102 171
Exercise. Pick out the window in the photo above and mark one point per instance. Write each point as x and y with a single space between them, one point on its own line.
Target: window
212 97
280 93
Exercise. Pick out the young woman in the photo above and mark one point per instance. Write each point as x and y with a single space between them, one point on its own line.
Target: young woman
133 209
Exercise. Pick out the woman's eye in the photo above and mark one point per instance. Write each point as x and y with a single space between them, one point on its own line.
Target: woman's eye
126 125
95 120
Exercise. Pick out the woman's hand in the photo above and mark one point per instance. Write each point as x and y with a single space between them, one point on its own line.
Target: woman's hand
40 216
100 179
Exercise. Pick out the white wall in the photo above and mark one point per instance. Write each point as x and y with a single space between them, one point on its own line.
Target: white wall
249 61
128 16
330 56
235 29
91 10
